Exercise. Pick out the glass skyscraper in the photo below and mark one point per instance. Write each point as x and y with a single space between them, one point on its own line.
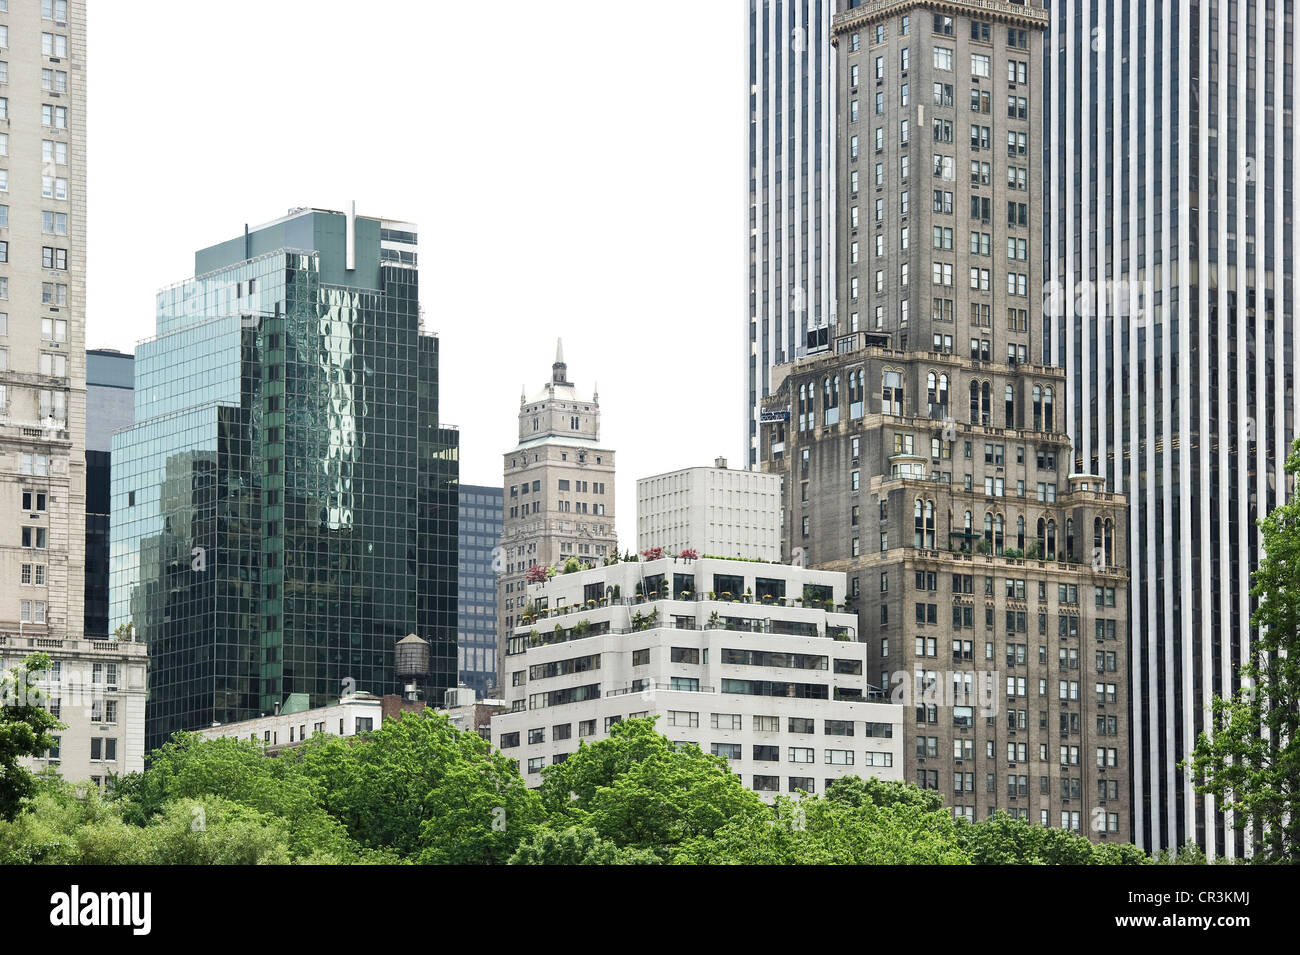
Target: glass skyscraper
109 407
285 505
791 190
480 537
1171 199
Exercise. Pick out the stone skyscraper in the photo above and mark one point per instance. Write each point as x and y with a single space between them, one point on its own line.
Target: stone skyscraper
924 454
559 492
42 317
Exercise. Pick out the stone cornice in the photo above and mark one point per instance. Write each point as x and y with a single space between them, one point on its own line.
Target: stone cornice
1000 11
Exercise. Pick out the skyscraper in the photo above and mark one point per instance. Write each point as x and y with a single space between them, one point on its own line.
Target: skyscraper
559 492
1171 194
791 189
924 454
109 407
476 603
42 316
285 506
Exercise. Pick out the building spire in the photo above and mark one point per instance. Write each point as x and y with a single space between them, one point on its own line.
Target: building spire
559 371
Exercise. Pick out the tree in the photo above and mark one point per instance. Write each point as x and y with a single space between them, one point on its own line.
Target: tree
830 831
1250 758
189 768
67 826
635 789
25 731
1004 840
577 845
423 789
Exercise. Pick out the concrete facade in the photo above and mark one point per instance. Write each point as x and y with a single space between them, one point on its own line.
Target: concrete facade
925 456
755 661
97 689
42 317
717 511
352 714
559 491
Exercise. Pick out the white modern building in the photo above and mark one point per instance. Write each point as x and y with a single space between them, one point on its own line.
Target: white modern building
295 723
1172 237
757 662
96 688
716 511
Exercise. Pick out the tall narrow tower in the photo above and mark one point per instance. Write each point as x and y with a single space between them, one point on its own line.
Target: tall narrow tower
42 317
559 491
791 190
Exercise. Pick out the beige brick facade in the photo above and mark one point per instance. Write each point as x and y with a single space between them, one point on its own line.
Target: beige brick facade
42 334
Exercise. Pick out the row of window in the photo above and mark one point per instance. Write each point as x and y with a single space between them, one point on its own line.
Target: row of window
722 721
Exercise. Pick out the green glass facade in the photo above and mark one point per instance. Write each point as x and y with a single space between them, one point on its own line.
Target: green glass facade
285 507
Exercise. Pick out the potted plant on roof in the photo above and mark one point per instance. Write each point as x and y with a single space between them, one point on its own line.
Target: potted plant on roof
558 634
749 595
689 554
640 593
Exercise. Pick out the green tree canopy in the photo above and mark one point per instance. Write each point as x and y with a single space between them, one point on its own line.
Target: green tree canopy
637 790
422 788
26 730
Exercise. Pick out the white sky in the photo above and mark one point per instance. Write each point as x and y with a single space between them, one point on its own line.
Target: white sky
576 168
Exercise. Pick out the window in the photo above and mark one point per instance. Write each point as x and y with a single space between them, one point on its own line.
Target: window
54 152
55 116
52 187
54 223
52 258
728 750
801 754
54 44
979 64
943 58
725 721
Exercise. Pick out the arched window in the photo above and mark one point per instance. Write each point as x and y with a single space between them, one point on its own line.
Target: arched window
856 393
974 402
1051 540
929 525
1069 538
1097 547
997 534
932 392
891 393
1048 418
943 394
1020 533
1011 406
1041 541
831 400
1110 542
986 401
988 533
970 523
1038 408
918 524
